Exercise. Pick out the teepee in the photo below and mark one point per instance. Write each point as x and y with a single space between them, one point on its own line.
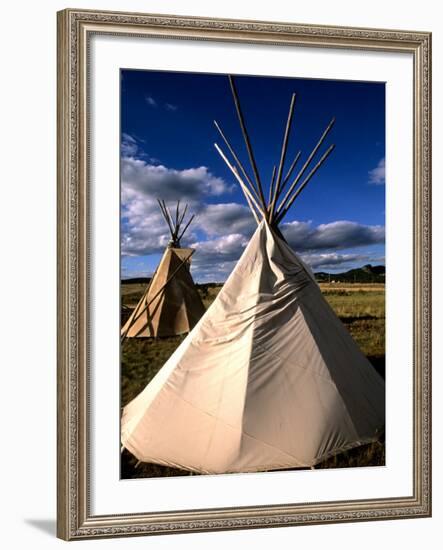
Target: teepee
269 378
171 304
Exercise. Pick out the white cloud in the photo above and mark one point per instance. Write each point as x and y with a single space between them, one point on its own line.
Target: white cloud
221 231
157 181
129 145
150 101
377 175
227 246
171 107
336 235
217 273
216 219
333 260
144 230
133 147
214 259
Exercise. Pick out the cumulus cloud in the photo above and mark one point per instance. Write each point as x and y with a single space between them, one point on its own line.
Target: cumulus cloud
144 179
377 174
133 147
214 259
129 146
144 230
332 260
226 248
214 273
216 219
336 235
219 232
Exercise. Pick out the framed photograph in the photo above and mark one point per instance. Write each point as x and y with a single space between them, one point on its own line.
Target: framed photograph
243 274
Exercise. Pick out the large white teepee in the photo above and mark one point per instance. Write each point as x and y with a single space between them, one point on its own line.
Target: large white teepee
269 378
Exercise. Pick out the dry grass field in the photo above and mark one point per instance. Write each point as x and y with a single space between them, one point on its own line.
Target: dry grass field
361 307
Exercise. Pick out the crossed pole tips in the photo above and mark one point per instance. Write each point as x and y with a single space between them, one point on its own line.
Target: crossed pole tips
175 225
275 208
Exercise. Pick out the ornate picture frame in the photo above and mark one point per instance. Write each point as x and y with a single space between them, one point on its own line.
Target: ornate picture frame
74 517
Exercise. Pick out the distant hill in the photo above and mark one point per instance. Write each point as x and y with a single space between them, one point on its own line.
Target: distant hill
366 274
145 280
136 281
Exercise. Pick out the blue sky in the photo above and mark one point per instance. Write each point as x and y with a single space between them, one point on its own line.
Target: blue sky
167 152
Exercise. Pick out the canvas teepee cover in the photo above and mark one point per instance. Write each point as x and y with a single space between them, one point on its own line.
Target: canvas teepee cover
269 378
171 304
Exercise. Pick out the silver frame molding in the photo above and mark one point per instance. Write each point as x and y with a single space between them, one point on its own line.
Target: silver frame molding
74 519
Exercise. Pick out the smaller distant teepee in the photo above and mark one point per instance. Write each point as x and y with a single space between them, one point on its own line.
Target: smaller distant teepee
171 304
